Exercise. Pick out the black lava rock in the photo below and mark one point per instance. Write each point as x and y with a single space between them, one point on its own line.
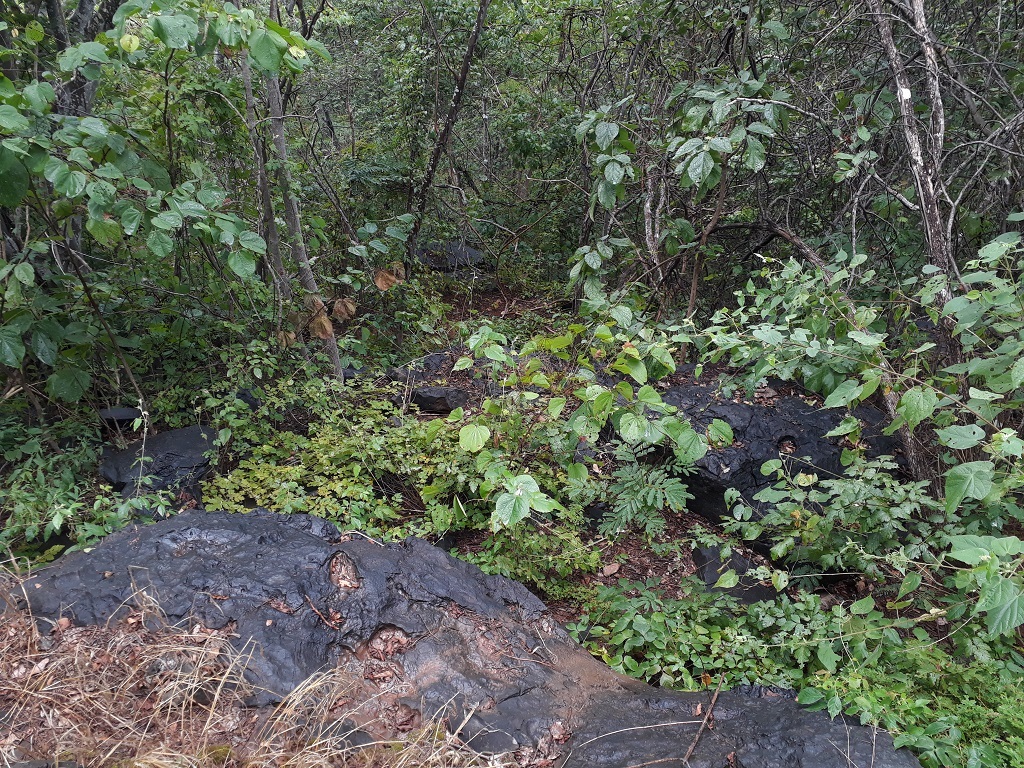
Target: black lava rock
172 460
410 629
442 400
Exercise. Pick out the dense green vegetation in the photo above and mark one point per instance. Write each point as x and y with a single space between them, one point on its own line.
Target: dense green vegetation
197 198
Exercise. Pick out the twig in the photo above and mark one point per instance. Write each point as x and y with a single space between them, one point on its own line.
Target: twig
703 725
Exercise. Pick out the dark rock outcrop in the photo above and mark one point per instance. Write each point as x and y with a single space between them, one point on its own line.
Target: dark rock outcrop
788 427
173 460
418 634
442 400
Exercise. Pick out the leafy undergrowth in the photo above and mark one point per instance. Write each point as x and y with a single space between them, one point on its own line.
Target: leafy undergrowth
140 694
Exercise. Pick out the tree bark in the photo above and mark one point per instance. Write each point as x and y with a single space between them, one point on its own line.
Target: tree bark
314 302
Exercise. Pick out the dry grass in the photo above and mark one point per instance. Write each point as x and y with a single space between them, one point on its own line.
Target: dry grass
132 696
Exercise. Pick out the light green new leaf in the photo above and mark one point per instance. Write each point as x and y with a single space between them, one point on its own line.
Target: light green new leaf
727 580
720 434
473 437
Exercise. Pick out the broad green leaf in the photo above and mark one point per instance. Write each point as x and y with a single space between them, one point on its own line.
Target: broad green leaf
463 363
11 120
972 549
632 428
473 437
25 274
160 244
242 264
971 480
614 173
168 220
809 696
863 606
910 582
106 231
754 156
252 242
700 167
720 434
44 348
176 30
605 134
848 391
1003 603
727 580
34 31
131 218
917 404
827 656
68 384
607 194
961 437
867 339
555 407
15 177
776 29
12 349
267 49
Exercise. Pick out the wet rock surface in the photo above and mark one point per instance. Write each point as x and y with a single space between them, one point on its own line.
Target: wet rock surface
175 460
416 634
787 427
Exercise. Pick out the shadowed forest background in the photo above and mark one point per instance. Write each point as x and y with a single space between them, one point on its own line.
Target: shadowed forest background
250 217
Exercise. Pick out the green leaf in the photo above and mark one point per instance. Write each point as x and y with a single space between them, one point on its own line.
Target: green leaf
1003 603
15 179
776 29
168 220
727 580
971 480
605 134
463 363
867 339
242 264
917 404
700 167
910 582
68 384
106 231
25 274
12 349
473 437
44 348
11 120
252 242
863 606
848 391
176 30
131 218
754 156
962 437
267 49
827 656
808 696
614 173
607 194
720 433
632 428
160 244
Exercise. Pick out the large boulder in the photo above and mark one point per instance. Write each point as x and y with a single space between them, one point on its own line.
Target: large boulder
417 634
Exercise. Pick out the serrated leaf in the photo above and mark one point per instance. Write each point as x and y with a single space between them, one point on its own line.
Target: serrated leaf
473 437
1003 603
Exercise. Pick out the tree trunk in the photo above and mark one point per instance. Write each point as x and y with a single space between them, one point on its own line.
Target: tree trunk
320 322
282 284
453 111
